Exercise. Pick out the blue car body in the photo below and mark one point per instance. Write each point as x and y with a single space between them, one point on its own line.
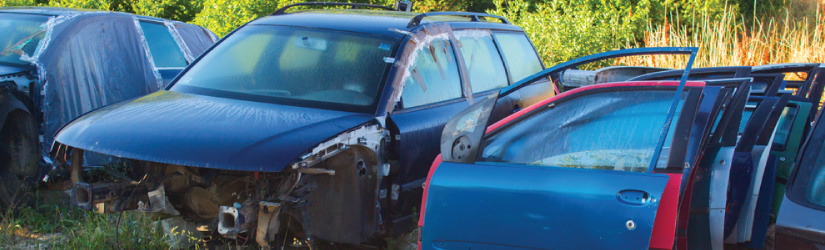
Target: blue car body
343 163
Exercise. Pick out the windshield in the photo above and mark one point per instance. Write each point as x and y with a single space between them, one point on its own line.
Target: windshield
294 66
21 36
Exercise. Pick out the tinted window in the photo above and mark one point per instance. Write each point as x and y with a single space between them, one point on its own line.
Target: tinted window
433 76
21 36
814 181
165 51
484 65
294 66
521 58
780 138
746 117
609 130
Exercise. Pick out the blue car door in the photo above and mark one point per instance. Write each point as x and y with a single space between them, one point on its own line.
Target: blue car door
573 173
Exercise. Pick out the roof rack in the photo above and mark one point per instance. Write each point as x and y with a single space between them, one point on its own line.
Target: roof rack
353 5
473 17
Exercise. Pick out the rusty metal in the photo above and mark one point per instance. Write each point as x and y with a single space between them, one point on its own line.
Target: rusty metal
268 223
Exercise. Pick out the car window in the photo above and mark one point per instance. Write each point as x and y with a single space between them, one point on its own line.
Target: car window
165 51
433 77
518 52
294 66
615 130
484 65
21 36
780 138
814 181
746 116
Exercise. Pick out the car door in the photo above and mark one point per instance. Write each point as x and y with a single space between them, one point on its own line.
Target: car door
573 173
790 135
705 226
800 223
166 53
520 60
432 94
748 166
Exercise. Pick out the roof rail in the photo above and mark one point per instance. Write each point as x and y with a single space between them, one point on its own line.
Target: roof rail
353 5
473 17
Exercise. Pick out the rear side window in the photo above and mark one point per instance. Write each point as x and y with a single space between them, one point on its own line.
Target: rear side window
433 77
165 51
484 65
609 131
780 138
518 52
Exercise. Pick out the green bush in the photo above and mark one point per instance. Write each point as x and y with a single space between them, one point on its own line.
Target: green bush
181 10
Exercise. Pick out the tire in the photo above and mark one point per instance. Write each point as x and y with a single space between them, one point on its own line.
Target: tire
19 156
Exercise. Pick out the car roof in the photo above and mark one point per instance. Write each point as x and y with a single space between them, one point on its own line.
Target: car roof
377 22
60 11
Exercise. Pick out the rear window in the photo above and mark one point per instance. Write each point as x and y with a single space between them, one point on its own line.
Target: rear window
165 51
609 131
518 52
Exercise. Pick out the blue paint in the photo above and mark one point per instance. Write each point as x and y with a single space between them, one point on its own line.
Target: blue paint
538 207
762 219
204 131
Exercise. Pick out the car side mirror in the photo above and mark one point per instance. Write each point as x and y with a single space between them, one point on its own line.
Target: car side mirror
462 135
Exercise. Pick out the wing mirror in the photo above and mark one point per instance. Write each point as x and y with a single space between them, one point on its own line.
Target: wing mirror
462 135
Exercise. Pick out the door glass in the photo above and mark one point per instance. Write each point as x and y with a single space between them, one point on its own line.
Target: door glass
519 54
784 128
815 188
608 131
746 116
433 77
165 51
484 65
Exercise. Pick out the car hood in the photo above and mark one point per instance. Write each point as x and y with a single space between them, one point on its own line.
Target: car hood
203 131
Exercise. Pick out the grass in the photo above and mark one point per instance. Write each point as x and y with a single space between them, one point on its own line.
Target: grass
731 41
52 223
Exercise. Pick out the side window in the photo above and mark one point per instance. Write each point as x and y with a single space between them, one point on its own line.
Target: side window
484 65
780 138
518 52
808 184
165 51
615 130
433 77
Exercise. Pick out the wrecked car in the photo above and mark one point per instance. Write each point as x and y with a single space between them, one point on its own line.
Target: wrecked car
59 63
554 155
308 125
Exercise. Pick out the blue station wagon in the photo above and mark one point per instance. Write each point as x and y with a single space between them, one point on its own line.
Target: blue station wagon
309 124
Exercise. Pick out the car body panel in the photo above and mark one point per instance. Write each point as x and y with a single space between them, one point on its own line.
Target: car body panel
567 206
799 218
745 161
203 131
705 225
786 157
760 151
479 184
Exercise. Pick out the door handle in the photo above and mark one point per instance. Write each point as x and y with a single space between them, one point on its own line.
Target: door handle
634 197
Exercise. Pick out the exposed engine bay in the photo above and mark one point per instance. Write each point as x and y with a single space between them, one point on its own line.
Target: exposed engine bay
323 195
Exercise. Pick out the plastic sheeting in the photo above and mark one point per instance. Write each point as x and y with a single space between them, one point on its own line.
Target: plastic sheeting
91 59
421 39
197 39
